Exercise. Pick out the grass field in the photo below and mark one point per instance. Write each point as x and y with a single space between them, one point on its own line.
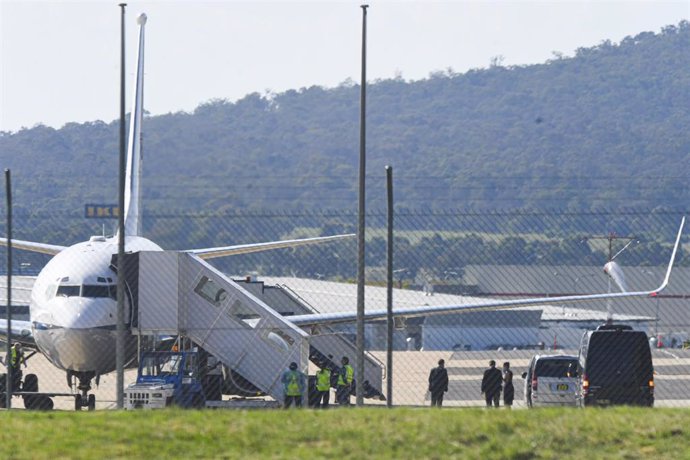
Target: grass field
349 433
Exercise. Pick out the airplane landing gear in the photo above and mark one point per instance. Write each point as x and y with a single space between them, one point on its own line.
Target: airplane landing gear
83 399
88 401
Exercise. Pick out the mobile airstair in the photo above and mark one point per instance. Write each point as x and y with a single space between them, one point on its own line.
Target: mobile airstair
176 293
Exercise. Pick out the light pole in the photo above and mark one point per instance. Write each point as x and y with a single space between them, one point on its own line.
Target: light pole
120 329
401 274
359 361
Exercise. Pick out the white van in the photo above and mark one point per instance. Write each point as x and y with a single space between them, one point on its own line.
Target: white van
551 380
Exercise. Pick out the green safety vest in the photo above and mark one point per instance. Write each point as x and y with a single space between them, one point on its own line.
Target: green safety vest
292 388
323 380
349 375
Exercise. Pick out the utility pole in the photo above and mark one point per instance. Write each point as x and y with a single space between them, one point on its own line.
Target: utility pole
611 237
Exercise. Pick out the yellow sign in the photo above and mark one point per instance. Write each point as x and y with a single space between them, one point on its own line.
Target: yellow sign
101 211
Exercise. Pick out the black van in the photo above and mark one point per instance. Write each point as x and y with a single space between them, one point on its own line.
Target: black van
615 367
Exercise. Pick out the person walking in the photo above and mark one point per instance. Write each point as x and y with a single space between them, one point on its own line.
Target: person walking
293 386
491 385
323 387
438 383
508 388
345 378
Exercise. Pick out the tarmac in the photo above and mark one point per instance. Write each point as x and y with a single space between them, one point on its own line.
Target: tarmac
410 379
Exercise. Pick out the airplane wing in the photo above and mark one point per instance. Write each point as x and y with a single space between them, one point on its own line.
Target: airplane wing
210 253
43 248
21 332
482 305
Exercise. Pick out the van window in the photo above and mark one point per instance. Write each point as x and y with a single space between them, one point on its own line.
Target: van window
618 357
557 368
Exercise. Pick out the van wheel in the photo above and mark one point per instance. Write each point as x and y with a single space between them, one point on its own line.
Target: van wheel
198 402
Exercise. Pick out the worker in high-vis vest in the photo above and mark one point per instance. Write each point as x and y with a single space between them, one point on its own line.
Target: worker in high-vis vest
293 385
323 387
16 360
345 378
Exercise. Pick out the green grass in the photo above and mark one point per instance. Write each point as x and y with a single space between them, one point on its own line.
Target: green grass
349 433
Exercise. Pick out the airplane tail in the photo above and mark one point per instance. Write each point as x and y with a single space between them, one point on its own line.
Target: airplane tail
134 154
616 273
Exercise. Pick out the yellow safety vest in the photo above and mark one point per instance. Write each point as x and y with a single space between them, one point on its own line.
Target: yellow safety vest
15 361
323 380
349 375
293 388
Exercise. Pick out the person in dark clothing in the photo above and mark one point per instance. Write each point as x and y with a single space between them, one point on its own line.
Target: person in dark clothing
345 382
438 383
508 388
491 385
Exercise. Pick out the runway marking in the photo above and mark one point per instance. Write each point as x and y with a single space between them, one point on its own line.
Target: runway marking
669 353
484 363
524 362
465 378
672 377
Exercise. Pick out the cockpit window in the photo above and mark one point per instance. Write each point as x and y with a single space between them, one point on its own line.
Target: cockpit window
50 291
87 290
91 290
67 291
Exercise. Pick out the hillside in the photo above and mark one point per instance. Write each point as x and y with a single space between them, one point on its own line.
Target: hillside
606 129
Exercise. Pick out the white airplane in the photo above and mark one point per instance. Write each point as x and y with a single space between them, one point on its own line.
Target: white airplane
73 309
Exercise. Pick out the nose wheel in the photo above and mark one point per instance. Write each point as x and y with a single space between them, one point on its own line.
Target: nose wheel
83 399
88 401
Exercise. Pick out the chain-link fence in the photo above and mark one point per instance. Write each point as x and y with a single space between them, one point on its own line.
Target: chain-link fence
247 316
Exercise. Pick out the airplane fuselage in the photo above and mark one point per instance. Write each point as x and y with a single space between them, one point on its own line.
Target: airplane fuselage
73 308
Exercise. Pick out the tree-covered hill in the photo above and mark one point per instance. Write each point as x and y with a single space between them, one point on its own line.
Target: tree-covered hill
606 128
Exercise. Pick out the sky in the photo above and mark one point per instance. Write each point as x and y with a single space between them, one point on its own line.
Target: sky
60 61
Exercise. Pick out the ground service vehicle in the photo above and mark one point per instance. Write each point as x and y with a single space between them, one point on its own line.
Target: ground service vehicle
166 378
551 380
28 391
616 367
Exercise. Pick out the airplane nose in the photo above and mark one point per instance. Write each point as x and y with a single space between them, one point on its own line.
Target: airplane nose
82 349
83 313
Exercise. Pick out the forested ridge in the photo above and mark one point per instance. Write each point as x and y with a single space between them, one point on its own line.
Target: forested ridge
605 129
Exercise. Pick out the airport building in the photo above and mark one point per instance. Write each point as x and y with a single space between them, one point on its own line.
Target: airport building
559 326
532 327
